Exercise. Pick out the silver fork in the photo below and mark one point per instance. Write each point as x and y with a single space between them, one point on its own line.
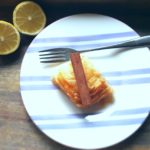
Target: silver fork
63 54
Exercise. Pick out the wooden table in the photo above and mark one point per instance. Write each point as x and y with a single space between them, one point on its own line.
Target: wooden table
17 132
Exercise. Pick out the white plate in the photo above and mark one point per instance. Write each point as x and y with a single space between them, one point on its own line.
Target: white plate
128 72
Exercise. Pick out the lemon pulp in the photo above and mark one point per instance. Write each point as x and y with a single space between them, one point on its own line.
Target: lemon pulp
29 18
9 38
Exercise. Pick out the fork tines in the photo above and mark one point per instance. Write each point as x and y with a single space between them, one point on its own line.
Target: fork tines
52 56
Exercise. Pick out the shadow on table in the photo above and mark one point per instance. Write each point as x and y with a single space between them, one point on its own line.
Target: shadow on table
16 56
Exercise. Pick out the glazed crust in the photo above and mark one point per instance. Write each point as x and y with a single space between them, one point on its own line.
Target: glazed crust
98 86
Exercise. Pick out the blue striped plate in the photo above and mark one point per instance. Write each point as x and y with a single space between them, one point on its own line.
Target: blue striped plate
128 72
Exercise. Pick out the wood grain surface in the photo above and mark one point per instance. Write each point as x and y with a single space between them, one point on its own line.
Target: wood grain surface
17 132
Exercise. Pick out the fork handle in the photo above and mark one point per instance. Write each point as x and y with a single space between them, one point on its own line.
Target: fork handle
138 42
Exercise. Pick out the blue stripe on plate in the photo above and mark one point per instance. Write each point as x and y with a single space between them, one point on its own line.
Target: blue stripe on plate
133 81
35 78
37 87
86 124
106 74
33 48
127 72
131 111
84 38
144 80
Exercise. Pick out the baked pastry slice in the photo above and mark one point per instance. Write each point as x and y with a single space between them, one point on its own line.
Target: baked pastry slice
98 87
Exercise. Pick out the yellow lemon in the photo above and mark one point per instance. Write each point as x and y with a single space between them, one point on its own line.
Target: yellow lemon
9 38
29 18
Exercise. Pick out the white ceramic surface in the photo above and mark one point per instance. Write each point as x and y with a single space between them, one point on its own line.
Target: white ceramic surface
128 72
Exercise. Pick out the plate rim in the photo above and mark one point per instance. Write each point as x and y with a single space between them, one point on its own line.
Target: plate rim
27 109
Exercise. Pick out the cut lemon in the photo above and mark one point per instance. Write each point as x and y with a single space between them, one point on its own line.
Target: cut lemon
9 38
29 18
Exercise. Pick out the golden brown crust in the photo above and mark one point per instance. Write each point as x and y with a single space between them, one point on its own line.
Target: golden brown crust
98 87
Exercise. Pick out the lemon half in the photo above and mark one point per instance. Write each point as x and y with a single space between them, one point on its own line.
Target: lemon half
29 18
9 38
